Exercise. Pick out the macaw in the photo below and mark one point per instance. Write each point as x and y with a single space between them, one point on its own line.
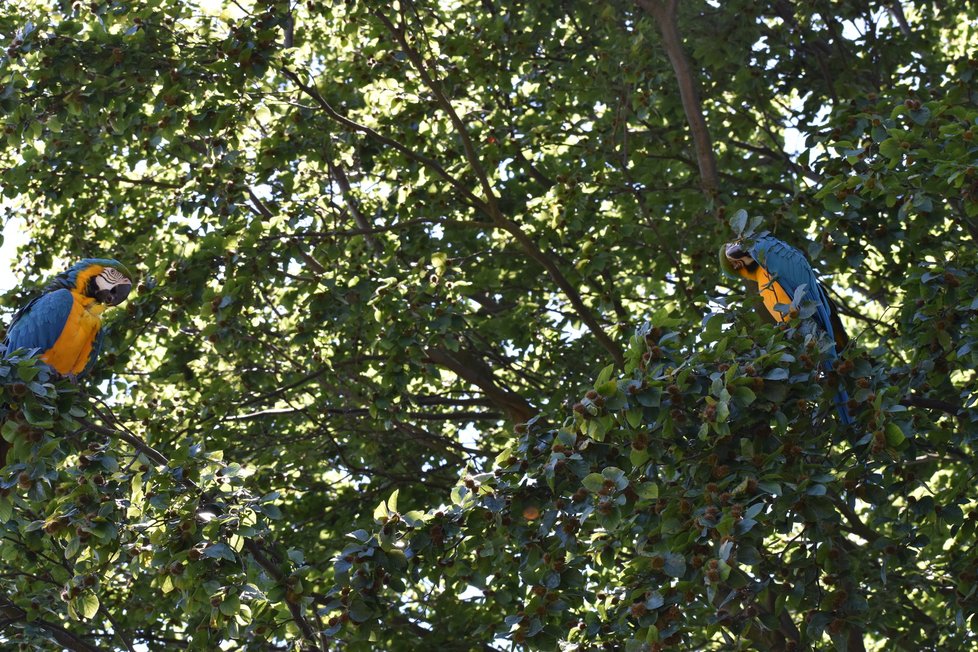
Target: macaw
64 324
777 270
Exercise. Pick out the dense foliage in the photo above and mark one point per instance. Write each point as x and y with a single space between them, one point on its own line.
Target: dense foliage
430 346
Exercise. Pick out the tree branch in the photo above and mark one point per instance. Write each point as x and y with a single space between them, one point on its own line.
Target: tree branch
896 10
455 415
474 370
353 205
323 235
931 404
470 154
426 161
133 441
491 206
10 612
276 573
855 523
664 14
251 545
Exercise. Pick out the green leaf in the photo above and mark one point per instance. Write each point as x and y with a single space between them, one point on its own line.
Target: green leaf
894 435
744 395
638 457
675 565
738 222
616 475
360 612
776 374
604 376
28 370
633 416
85 605
647 490
439 260
593 482
219 551
9 431
230 605
890 148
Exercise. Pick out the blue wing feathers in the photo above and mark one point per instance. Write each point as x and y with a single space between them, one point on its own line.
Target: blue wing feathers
39 324
791 269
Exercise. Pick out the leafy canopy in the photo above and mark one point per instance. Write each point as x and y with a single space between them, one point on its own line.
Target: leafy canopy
430 346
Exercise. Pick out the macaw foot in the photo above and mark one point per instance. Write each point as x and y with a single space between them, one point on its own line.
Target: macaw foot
72 378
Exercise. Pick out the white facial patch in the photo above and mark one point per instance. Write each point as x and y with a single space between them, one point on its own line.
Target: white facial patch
109 278
740 263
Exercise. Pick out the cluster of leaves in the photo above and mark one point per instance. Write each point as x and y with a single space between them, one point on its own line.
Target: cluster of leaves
85 519
905 180
701 497
375 240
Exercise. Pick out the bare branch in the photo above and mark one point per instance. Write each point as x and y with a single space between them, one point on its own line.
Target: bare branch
473 369
932 404
664 14
10 612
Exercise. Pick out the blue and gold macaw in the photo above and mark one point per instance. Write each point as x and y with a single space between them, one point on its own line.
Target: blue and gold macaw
777 270
64 324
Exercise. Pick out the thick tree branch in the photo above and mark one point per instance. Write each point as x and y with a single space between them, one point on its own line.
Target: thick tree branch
10 612
855 523
119 633
931 404
270 567
133 441
896 10
473 369
664 14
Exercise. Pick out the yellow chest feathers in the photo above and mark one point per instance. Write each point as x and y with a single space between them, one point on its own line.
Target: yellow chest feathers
73 348
770 290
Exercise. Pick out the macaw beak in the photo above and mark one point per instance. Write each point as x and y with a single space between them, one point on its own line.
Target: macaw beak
116 294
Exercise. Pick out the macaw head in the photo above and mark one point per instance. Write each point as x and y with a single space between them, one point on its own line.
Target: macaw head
103 279
735 259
